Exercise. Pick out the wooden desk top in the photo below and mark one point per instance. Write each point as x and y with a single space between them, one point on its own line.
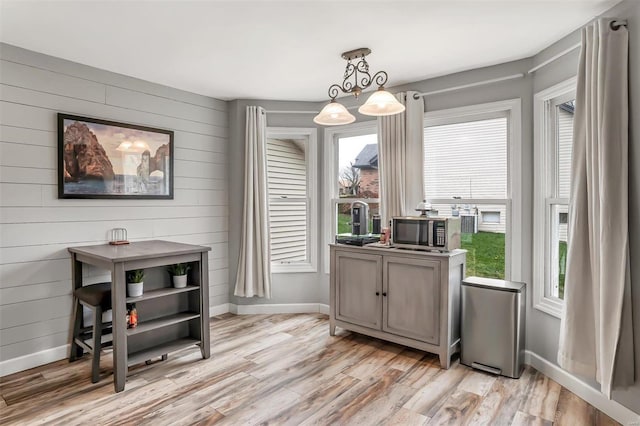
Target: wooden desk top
137 250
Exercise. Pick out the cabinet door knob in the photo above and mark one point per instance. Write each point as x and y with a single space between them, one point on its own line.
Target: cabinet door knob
384 294
377 293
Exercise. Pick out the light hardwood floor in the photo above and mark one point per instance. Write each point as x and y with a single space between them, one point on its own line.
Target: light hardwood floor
286 369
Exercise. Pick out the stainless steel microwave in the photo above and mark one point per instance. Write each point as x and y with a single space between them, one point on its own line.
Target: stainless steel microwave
425 233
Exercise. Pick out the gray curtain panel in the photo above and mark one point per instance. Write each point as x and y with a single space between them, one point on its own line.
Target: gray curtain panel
254 265
400 141
595 332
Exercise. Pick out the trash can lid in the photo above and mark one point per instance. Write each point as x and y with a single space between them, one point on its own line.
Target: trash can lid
494 284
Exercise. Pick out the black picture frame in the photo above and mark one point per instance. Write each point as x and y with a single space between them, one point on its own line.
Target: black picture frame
102 159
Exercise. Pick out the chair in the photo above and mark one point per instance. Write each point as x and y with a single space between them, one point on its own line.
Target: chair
98 298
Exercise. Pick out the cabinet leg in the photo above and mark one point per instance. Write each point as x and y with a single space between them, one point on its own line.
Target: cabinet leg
332 328
445 361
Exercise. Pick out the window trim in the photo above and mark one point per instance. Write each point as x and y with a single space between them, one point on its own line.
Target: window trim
330 140
310 133
512 109
544 177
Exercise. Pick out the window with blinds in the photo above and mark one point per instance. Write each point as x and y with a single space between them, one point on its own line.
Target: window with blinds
465 176
288 199
466 160
560 121
554 109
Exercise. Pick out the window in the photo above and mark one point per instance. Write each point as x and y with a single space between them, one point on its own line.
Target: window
351 168
291 181
490 217
472 171
553 115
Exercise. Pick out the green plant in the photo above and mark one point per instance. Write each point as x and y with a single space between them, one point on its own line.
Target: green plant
135 276
179 269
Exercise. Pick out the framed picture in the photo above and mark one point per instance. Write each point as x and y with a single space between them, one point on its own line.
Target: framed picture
105 159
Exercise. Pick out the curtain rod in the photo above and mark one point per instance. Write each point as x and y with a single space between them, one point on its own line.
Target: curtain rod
614 26
466 86
554 57
289 112
272 111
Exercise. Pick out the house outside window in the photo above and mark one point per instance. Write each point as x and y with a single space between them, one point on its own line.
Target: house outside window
553 118
472 171
291 183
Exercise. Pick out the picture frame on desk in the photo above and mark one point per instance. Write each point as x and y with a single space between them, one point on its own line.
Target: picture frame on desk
107 159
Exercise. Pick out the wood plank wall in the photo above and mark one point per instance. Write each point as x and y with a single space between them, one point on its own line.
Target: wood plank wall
36 227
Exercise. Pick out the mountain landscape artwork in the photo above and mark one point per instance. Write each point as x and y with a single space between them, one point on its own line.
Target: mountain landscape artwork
104 159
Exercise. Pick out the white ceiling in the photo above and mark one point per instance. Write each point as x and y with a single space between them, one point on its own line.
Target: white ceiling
288 50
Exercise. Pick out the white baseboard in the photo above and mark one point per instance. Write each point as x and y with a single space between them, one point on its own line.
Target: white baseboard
37 359
281 308
218 309
594 397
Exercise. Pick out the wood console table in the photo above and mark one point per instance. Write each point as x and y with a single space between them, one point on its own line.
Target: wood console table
169 318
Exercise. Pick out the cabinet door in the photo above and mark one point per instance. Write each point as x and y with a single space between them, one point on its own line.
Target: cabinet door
358 288
411 302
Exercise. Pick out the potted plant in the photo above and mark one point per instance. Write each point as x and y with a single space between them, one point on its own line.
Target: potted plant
135 283
179 274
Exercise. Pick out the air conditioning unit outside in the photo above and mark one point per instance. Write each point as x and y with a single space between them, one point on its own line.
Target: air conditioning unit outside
469 223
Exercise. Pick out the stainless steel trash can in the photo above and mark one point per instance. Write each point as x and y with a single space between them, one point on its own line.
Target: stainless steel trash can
493 325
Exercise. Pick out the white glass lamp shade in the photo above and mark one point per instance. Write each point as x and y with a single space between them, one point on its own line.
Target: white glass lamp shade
381 103
334 114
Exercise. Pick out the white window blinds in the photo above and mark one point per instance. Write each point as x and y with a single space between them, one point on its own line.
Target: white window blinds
467 160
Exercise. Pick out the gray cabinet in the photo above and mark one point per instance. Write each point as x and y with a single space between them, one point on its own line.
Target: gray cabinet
411 298
407 297
359 303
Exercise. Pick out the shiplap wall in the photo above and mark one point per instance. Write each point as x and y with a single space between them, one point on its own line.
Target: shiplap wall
37 227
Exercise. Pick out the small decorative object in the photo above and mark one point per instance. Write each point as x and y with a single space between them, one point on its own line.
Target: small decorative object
179 274
132 315
118 236
135 283
106 159
384 236
425 208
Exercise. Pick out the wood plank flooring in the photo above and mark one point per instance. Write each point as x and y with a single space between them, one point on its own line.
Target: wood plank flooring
287 370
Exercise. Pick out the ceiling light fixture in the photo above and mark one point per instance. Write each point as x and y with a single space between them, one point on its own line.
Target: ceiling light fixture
356 79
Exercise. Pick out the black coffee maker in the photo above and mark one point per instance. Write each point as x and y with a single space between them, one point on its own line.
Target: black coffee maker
359 218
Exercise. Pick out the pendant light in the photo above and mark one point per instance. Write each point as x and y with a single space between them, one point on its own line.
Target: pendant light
334 114
381 103
356 79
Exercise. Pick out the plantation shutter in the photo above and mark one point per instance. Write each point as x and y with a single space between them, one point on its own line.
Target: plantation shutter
287 186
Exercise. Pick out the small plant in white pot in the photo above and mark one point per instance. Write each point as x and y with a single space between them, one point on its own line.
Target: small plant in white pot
135 282
179 274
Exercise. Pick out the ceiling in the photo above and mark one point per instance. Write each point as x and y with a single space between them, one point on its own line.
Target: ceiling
288 50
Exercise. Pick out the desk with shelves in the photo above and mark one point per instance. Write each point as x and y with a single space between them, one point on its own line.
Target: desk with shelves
169 318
